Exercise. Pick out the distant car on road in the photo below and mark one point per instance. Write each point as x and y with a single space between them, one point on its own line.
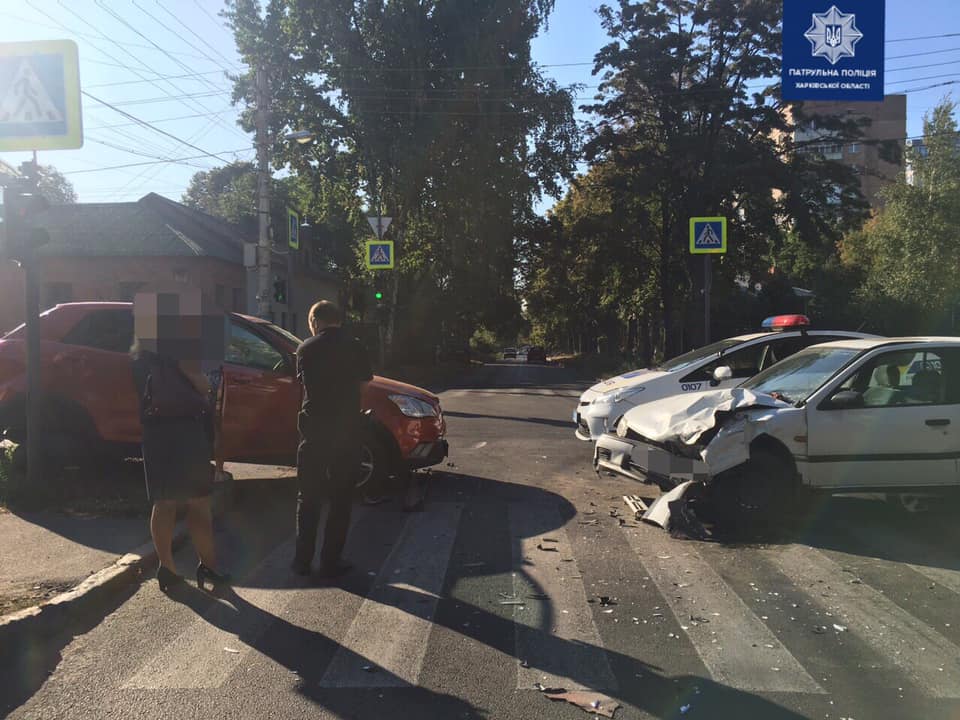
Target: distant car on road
90 406
536 355
509 353
722 364
870 415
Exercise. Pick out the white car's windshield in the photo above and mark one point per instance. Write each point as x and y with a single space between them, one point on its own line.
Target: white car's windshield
681 362
797 377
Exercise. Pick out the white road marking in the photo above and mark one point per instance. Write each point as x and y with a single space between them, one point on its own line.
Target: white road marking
922 653
736 646
905 546
216 644
390 631
556 636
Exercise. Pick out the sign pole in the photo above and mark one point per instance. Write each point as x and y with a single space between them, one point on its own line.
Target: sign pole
707 285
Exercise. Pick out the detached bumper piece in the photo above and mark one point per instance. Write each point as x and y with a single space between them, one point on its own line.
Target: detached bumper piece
427 454
583 430
646 463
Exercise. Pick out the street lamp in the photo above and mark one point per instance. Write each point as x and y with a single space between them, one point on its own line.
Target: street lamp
303 137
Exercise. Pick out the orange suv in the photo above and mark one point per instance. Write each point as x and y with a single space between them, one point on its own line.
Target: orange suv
90 406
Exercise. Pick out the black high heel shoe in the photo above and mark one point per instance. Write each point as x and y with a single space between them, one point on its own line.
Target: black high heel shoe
216 579
167 579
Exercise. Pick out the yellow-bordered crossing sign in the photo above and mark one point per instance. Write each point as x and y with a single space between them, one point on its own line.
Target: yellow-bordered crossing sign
379 255
40 96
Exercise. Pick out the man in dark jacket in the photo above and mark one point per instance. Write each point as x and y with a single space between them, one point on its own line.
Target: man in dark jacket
334 369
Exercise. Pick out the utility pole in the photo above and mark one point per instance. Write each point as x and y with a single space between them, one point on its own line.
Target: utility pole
264 249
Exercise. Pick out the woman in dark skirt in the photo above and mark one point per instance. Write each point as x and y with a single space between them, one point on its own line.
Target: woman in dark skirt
177 456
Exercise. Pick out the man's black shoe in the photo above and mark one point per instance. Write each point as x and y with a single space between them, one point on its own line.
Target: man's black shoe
328 572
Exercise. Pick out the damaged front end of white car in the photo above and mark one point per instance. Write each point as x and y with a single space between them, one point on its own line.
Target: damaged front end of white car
693 438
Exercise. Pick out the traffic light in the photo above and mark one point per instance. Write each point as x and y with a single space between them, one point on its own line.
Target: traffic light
22 205
280 291
378 295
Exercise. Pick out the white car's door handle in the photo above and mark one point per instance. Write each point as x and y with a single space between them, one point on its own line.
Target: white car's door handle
938 422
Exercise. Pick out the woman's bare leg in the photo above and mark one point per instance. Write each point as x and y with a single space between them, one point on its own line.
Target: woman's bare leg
163 520
200 526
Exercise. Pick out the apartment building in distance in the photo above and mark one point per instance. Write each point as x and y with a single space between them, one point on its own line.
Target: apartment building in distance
888 124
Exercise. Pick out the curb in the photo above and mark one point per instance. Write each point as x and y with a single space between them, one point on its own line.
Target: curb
92 596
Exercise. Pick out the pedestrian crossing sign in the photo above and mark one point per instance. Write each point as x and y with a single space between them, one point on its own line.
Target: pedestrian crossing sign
40 96
379 255
708 235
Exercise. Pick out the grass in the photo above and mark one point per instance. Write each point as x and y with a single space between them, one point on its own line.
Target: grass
106 488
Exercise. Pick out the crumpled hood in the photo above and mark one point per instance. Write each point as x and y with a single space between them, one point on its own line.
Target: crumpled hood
630 379
687 417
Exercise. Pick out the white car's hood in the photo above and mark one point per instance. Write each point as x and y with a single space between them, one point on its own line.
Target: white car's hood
630 379
687 417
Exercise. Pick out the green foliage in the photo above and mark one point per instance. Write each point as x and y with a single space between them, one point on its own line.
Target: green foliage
439 118
484 341
682 132
230 192
55 187
909 253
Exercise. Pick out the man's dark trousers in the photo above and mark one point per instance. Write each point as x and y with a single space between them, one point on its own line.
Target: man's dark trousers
325 475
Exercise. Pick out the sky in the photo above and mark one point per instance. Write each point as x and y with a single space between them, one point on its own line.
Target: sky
165 62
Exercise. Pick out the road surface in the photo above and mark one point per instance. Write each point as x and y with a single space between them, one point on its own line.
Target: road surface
457 612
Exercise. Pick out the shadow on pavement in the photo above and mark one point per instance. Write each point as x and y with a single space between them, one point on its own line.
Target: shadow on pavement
307 653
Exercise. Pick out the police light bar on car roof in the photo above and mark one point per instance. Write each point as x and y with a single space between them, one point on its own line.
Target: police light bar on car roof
785 322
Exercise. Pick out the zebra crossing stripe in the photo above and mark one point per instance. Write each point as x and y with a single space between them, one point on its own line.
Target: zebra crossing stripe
557 640
387 640
210 649
923 654
734 644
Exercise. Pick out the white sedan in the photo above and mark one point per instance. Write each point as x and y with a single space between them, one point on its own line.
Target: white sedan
880 415
722 364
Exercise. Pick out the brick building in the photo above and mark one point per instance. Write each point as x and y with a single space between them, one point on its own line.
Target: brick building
887 123
111 251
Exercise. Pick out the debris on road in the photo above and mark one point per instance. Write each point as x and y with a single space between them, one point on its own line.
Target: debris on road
684 709
551 540
369 669
474 564
591 702
839 628
594 521
607 601
546 548
231 650
673 511
513 602
636 505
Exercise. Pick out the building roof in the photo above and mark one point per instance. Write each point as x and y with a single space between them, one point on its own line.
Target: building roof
153 226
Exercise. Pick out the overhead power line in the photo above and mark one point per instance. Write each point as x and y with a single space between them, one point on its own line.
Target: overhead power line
185 76
160 120
154 162
146 124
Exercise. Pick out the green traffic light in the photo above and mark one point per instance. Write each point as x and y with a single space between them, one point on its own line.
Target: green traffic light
379 296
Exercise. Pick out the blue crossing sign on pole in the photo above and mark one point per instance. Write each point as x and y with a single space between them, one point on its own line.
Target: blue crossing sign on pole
833 50
708 235
40 96
379 255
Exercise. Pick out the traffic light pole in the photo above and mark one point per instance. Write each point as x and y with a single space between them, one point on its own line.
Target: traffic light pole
32 320
19 235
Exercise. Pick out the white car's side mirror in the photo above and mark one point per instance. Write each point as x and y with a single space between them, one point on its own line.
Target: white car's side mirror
722 373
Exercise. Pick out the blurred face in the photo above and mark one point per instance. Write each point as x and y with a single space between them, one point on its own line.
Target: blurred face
183 326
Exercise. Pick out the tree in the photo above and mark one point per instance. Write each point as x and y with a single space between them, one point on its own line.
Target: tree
681 115
230 192
55 187
909 253
451 128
